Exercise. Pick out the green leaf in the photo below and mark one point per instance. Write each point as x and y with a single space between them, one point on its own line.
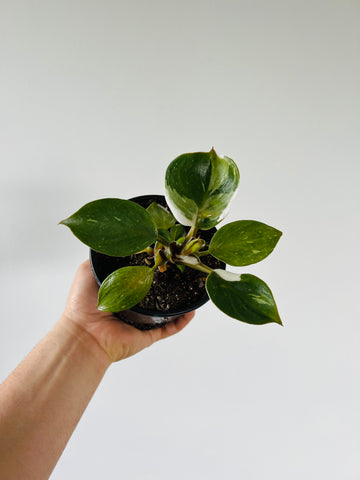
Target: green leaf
199 187
181 267
124 288
164 237
180 240
244 242
112 226
246 297
177 231
163 218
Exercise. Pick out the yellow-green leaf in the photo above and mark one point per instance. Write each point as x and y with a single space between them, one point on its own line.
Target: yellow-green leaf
124 288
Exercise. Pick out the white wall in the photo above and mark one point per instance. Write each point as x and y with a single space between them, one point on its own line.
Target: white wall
96 98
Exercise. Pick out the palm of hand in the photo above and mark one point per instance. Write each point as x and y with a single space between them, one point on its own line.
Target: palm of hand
117 339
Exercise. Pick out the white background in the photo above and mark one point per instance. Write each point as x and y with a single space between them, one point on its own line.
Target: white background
96 99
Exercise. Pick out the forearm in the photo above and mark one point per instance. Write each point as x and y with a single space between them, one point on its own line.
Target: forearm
42 401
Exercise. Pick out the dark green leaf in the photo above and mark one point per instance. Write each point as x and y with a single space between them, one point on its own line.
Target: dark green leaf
244 242
164 236
177 231
163 218
113 226
124 288
246 297
200 186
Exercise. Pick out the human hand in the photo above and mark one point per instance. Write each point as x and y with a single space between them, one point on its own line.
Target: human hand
117 339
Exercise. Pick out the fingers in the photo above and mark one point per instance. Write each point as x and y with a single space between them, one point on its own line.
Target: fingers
84 290
174 327
85 278
184 320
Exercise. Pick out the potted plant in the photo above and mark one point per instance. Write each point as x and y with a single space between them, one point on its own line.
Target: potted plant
141 245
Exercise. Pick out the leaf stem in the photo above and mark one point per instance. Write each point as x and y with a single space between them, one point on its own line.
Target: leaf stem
203 253
191 233
159 260
193 262
148 250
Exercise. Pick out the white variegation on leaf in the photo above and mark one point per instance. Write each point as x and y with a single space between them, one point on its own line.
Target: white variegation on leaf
199 187
227 276
246 298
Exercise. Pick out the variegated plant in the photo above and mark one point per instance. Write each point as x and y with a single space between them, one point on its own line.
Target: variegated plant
199 188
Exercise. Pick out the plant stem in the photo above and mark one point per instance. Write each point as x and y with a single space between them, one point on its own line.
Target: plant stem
148 250
159 261
203 253
191 233
197 265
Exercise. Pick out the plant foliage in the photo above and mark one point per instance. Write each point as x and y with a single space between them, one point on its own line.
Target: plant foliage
199 188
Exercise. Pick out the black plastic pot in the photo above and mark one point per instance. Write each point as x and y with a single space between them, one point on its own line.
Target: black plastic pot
103 265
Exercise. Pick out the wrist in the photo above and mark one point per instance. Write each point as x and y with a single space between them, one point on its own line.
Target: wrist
83 342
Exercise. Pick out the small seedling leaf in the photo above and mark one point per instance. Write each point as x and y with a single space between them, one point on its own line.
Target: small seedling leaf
163 218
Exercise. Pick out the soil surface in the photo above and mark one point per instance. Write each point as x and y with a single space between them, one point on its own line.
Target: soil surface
173 289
